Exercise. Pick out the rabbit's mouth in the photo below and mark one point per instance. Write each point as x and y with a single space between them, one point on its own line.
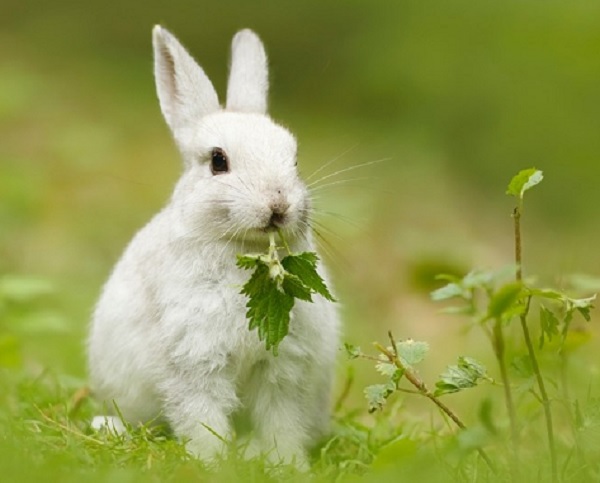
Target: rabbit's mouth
276 222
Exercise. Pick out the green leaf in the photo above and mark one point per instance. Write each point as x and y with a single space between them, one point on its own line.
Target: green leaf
481 278
294 287
464 287
377 395
505 300
352 351
411 352
546 293
449 291
572 305
525 180
583 306
274 287
390 370
486 416
304 266
248 261
467 373
549 325
522 366
268 307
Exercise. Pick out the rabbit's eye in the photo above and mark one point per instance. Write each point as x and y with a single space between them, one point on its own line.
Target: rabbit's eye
219 163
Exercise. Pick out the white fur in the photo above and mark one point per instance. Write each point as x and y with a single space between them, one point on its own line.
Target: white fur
248 76
169 336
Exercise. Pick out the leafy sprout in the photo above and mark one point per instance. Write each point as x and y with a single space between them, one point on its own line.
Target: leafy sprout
274 287
523 181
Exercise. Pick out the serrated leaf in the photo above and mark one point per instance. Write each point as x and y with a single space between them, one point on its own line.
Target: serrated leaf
571 305
523 181
248 261
463 287
268 307
412 352
446 277
449 291
549 324
377 395
273 288
294 287
546 293
584 306
386 369
465 374
352 351
480 278
505 299
390 370
304 266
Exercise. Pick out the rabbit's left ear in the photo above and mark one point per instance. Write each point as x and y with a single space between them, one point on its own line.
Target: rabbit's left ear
248 77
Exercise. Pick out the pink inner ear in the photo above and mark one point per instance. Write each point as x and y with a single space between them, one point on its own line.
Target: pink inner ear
185 93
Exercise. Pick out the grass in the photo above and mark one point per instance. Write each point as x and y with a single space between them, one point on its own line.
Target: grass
44 434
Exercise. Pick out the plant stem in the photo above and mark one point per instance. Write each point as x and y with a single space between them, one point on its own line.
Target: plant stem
498 343
345 391
420 385
530 349
272 245
412 377
518 246
284 241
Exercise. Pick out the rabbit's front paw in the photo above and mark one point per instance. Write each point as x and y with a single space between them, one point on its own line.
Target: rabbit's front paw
108 423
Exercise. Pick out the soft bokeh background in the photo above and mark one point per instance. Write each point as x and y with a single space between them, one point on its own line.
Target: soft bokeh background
455 96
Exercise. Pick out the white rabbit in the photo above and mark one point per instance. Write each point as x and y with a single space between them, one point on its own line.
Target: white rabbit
169 336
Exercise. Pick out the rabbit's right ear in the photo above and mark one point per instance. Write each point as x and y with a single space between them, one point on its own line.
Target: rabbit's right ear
184 92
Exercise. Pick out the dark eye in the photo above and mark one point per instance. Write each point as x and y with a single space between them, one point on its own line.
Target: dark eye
219 163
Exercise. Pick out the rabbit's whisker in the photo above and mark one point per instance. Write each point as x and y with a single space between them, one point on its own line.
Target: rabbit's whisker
345 170
330 162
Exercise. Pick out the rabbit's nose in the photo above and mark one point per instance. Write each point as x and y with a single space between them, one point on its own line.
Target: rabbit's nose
279 209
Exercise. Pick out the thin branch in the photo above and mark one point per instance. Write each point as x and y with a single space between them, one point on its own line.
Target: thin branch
422 388
345 391
530 348
498 343
420 385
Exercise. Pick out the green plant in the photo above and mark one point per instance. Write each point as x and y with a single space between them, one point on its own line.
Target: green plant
274 286
493 302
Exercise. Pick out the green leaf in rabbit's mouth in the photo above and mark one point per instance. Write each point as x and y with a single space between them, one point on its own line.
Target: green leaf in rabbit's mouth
274 287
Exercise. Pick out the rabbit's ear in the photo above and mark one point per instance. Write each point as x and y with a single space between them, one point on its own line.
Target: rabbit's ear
248 76
184 91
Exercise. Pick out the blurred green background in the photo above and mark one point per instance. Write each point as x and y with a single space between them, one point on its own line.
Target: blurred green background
455 96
